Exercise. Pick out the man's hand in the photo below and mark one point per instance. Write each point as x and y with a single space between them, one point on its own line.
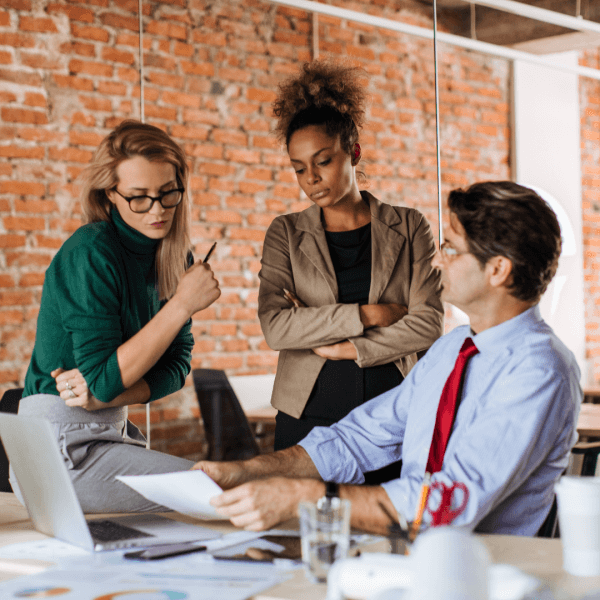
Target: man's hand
73 389
262 504
340 351
224 474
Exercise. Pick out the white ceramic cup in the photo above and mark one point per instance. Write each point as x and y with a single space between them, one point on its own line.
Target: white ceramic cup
579 518
449 564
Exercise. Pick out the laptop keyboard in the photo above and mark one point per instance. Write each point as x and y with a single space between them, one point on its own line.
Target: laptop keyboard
110 531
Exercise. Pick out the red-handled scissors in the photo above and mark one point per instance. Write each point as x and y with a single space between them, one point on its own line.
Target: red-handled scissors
446 512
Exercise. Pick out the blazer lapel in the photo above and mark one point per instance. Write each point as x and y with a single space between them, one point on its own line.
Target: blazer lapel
314 245
386 246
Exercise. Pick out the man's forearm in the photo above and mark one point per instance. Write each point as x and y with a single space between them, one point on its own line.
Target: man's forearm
291 462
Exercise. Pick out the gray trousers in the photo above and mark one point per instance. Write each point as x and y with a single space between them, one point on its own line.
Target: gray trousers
96 446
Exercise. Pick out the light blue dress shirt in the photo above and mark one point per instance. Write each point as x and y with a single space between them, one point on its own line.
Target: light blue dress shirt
511 438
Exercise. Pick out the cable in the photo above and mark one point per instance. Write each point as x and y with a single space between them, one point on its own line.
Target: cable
437 123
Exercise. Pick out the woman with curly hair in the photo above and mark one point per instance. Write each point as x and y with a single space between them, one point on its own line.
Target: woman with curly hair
114 326
347 291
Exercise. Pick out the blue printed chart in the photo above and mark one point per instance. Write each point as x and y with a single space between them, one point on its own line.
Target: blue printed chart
173 579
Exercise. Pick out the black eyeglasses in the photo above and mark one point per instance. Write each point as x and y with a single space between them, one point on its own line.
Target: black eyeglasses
142 204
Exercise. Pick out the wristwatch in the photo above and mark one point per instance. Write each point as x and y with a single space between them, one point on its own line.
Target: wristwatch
332 489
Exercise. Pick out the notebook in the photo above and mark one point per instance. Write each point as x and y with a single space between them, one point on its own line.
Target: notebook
54 508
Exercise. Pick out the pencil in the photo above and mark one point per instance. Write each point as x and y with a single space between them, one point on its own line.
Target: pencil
209 253
416 525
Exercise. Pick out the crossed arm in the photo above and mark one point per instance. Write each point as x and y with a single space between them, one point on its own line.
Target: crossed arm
265 490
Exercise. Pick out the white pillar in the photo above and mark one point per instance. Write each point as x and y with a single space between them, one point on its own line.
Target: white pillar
547 156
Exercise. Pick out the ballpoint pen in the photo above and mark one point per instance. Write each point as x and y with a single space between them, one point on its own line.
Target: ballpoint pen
209 253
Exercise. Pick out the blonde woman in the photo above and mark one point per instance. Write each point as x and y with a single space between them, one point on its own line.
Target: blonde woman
114 326
347 291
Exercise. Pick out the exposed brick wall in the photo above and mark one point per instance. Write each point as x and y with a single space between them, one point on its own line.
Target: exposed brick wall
68 74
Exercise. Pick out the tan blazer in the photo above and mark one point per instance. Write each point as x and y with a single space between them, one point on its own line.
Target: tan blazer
296 257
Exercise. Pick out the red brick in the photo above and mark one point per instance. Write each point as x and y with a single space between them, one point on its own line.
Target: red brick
6 280
20 115
90 68
27 259
40 134
35 206
85 138
226 362
181 99
166 29
70 155
222 216
19 298
11 240
119 21
12 151
35 99
96 104
24 223
44 241
89 33
31 279
165 79
5 58
9 376
112 88
39 25
75 13
71 81
114 55
194 68
22 188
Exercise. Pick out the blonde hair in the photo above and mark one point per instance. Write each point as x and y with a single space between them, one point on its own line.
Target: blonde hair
130 139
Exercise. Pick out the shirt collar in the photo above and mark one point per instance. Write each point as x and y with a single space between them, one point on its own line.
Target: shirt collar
495 338
133 240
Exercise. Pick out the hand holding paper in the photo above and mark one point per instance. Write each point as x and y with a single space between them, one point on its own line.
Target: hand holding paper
187 492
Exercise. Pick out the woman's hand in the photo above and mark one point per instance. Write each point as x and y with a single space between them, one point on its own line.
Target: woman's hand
340 351
197 289
292 299
382 315
74 391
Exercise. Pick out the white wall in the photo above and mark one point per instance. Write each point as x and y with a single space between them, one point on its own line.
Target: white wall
547 156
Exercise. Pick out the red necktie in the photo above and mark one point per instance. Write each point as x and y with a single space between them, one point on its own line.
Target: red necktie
447 408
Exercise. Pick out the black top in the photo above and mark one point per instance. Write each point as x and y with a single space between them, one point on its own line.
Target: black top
342 385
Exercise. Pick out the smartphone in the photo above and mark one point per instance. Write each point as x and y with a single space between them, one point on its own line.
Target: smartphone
291 550
164 551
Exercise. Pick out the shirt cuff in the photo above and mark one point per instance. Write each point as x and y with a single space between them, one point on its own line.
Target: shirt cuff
331 457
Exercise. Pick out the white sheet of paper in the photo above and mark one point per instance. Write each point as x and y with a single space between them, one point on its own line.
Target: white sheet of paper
187 492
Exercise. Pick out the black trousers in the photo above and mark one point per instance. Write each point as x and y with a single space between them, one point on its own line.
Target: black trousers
340 387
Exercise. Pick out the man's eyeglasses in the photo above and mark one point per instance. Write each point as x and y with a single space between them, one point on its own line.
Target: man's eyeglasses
142 204
449 252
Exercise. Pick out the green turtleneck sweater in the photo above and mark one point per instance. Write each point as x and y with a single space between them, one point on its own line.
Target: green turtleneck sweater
99 291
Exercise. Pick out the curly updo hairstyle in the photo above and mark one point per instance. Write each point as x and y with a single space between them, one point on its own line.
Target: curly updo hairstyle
324 93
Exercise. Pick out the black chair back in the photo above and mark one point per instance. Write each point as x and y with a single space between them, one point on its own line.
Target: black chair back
227 430
8 404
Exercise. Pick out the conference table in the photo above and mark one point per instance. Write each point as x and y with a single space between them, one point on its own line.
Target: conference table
539 557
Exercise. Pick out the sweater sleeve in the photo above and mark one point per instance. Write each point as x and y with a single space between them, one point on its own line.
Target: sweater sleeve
169 373
87 285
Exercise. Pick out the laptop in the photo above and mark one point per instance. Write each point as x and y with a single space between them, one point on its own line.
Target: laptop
54 508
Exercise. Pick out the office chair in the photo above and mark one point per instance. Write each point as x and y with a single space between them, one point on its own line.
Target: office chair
228 432
589 452
8 404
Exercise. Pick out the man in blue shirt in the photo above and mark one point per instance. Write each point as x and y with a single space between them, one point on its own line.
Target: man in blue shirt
516 421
